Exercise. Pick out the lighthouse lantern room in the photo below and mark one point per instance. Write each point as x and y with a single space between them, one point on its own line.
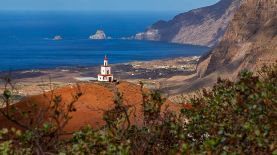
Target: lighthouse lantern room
106 74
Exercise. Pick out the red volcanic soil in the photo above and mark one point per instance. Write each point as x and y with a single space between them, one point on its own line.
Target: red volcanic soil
90 107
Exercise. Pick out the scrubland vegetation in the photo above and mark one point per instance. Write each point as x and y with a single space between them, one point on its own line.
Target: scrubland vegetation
231 118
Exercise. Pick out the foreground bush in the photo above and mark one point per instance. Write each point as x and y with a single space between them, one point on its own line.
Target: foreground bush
235 117
231 118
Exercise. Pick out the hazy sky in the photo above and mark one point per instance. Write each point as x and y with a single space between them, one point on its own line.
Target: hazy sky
103 5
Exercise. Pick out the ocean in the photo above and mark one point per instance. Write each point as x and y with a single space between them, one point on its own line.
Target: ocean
26 39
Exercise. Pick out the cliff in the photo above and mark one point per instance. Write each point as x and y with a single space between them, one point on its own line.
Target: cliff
203 26
249 42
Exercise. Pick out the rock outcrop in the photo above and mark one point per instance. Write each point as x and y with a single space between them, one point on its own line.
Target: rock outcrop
150 34
57 38
249 42
99 35
204 26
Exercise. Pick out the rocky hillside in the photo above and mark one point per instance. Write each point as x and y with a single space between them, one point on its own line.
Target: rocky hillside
249 42
204 26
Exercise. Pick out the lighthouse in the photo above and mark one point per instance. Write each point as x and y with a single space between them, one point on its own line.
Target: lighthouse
106 73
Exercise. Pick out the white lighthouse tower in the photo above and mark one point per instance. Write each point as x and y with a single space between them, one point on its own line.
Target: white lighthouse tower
106 73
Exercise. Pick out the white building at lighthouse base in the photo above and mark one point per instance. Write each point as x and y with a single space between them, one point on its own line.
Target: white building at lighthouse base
105 78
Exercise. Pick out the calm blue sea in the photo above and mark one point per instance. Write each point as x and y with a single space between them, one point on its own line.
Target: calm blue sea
26 39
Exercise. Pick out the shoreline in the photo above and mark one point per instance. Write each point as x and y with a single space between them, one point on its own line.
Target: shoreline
153 73
90 66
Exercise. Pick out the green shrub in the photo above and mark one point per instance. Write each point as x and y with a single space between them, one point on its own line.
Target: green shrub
235 117
231 118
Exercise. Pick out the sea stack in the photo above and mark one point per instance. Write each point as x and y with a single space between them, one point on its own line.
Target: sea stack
57 38
99 35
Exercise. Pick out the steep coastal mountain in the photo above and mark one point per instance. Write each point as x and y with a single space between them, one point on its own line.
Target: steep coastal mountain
203 26
249 42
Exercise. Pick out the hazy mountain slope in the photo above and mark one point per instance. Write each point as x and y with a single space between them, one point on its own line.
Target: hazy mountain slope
203 26
249 42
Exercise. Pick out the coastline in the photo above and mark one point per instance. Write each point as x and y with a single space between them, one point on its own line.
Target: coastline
155 74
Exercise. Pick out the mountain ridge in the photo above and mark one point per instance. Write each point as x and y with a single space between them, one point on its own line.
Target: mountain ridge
203 26
249 43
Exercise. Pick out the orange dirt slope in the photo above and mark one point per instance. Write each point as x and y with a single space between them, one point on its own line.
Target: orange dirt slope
90 107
